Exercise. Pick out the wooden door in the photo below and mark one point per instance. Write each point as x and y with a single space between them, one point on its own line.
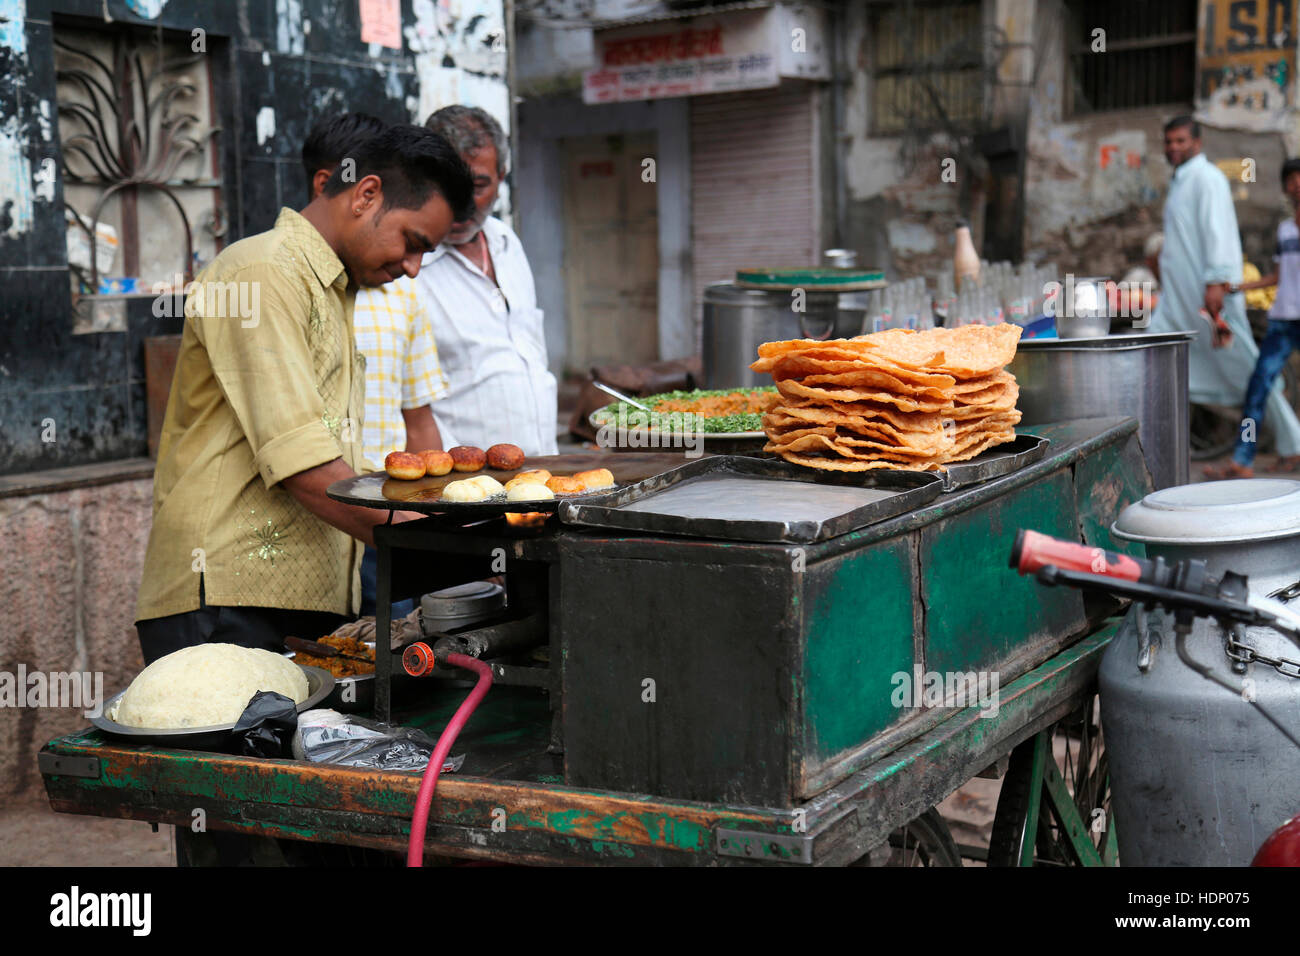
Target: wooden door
611 257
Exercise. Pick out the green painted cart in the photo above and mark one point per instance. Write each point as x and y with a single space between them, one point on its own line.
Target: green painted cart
773 739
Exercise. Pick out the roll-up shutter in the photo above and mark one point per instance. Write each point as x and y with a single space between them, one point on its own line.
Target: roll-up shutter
754 193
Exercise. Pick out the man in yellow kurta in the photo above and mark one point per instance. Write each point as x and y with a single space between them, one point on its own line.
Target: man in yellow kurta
266 407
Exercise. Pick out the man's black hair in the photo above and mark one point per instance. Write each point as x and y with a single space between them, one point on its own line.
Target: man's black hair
1289 167
334 138
1178 122
413 163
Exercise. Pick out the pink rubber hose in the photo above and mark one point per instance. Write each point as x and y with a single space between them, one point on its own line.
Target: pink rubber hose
424 799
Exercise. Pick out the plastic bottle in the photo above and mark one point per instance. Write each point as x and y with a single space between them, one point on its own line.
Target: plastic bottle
965 260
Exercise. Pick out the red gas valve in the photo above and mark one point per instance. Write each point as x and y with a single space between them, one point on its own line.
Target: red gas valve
417 660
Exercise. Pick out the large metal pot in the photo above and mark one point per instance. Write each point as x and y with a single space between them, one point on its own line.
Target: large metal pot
737 321
1199 776
1143 375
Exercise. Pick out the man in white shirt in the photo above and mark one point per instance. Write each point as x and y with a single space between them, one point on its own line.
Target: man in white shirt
478 290
1199 264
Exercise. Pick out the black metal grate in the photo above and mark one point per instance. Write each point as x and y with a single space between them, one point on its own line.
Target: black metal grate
1149 57
928 67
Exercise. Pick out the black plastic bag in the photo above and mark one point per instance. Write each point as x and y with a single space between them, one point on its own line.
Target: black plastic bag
266 727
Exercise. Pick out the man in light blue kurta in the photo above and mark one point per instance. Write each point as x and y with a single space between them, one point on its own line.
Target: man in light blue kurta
1201 257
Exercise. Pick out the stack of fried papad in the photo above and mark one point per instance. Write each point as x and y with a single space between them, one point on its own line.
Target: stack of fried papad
895 399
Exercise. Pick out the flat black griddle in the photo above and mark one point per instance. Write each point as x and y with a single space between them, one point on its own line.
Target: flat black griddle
424 494
752 499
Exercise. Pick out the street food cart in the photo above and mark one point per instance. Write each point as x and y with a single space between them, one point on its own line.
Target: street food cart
681 698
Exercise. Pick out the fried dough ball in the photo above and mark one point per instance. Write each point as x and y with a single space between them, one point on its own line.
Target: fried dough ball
565 486
467 458
596 478
436 462
528 491
505 457
487 483
404 465
465 490
539 475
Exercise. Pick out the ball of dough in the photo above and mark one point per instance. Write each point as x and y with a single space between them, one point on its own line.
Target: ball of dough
207 685
505 457
539 475
596 478
467 458
463 491
489 484
436 462
404 465
528 491
566 486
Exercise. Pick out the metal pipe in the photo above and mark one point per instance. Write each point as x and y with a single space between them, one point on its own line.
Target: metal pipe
494 640
839 78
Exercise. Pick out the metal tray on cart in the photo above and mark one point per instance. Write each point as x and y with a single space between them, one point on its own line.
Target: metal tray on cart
996 462
751 499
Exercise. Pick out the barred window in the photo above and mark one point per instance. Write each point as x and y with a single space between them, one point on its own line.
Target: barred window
1149 56
928 67
141 176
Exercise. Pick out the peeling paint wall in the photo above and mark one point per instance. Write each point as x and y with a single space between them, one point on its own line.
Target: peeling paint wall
19 126
900 213
459 48
277 67
1095 184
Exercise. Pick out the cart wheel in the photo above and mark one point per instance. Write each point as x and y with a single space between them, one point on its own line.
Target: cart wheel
926 841
1070 754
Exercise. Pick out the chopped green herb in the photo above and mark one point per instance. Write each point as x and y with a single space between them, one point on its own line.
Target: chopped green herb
620 414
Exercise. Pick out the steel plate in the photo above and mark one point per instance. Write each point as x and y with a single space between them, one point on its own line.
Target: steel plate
319 684
996 462
754 499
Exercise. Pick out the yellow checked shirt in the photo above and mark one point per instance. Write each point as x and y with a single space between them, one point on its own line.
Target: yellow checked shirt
395 335
268 383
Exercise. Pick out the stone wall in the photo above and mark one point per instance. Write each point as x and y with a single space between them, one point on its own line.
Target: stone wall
70 566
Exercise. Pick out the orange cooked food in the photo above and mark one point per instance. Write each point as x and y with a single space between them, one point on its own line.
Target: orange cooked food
715 406
338 666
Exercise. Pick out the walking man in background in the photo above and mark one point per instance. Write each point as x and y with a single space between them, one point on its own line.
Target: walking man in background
1200 260
1282 337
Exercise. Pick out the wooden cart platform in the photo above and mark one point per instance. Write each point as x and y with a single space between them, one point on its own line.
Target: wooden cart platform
508 802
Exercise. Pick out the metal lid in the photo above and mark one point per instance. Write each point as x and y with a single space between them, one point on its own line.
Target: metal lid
1214 512
1124 342
823 279
464 600
728 293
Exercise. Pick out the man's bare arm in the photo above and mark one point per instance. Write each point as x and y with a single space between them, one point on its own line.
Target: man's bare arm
1264 282
309 488
421 430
